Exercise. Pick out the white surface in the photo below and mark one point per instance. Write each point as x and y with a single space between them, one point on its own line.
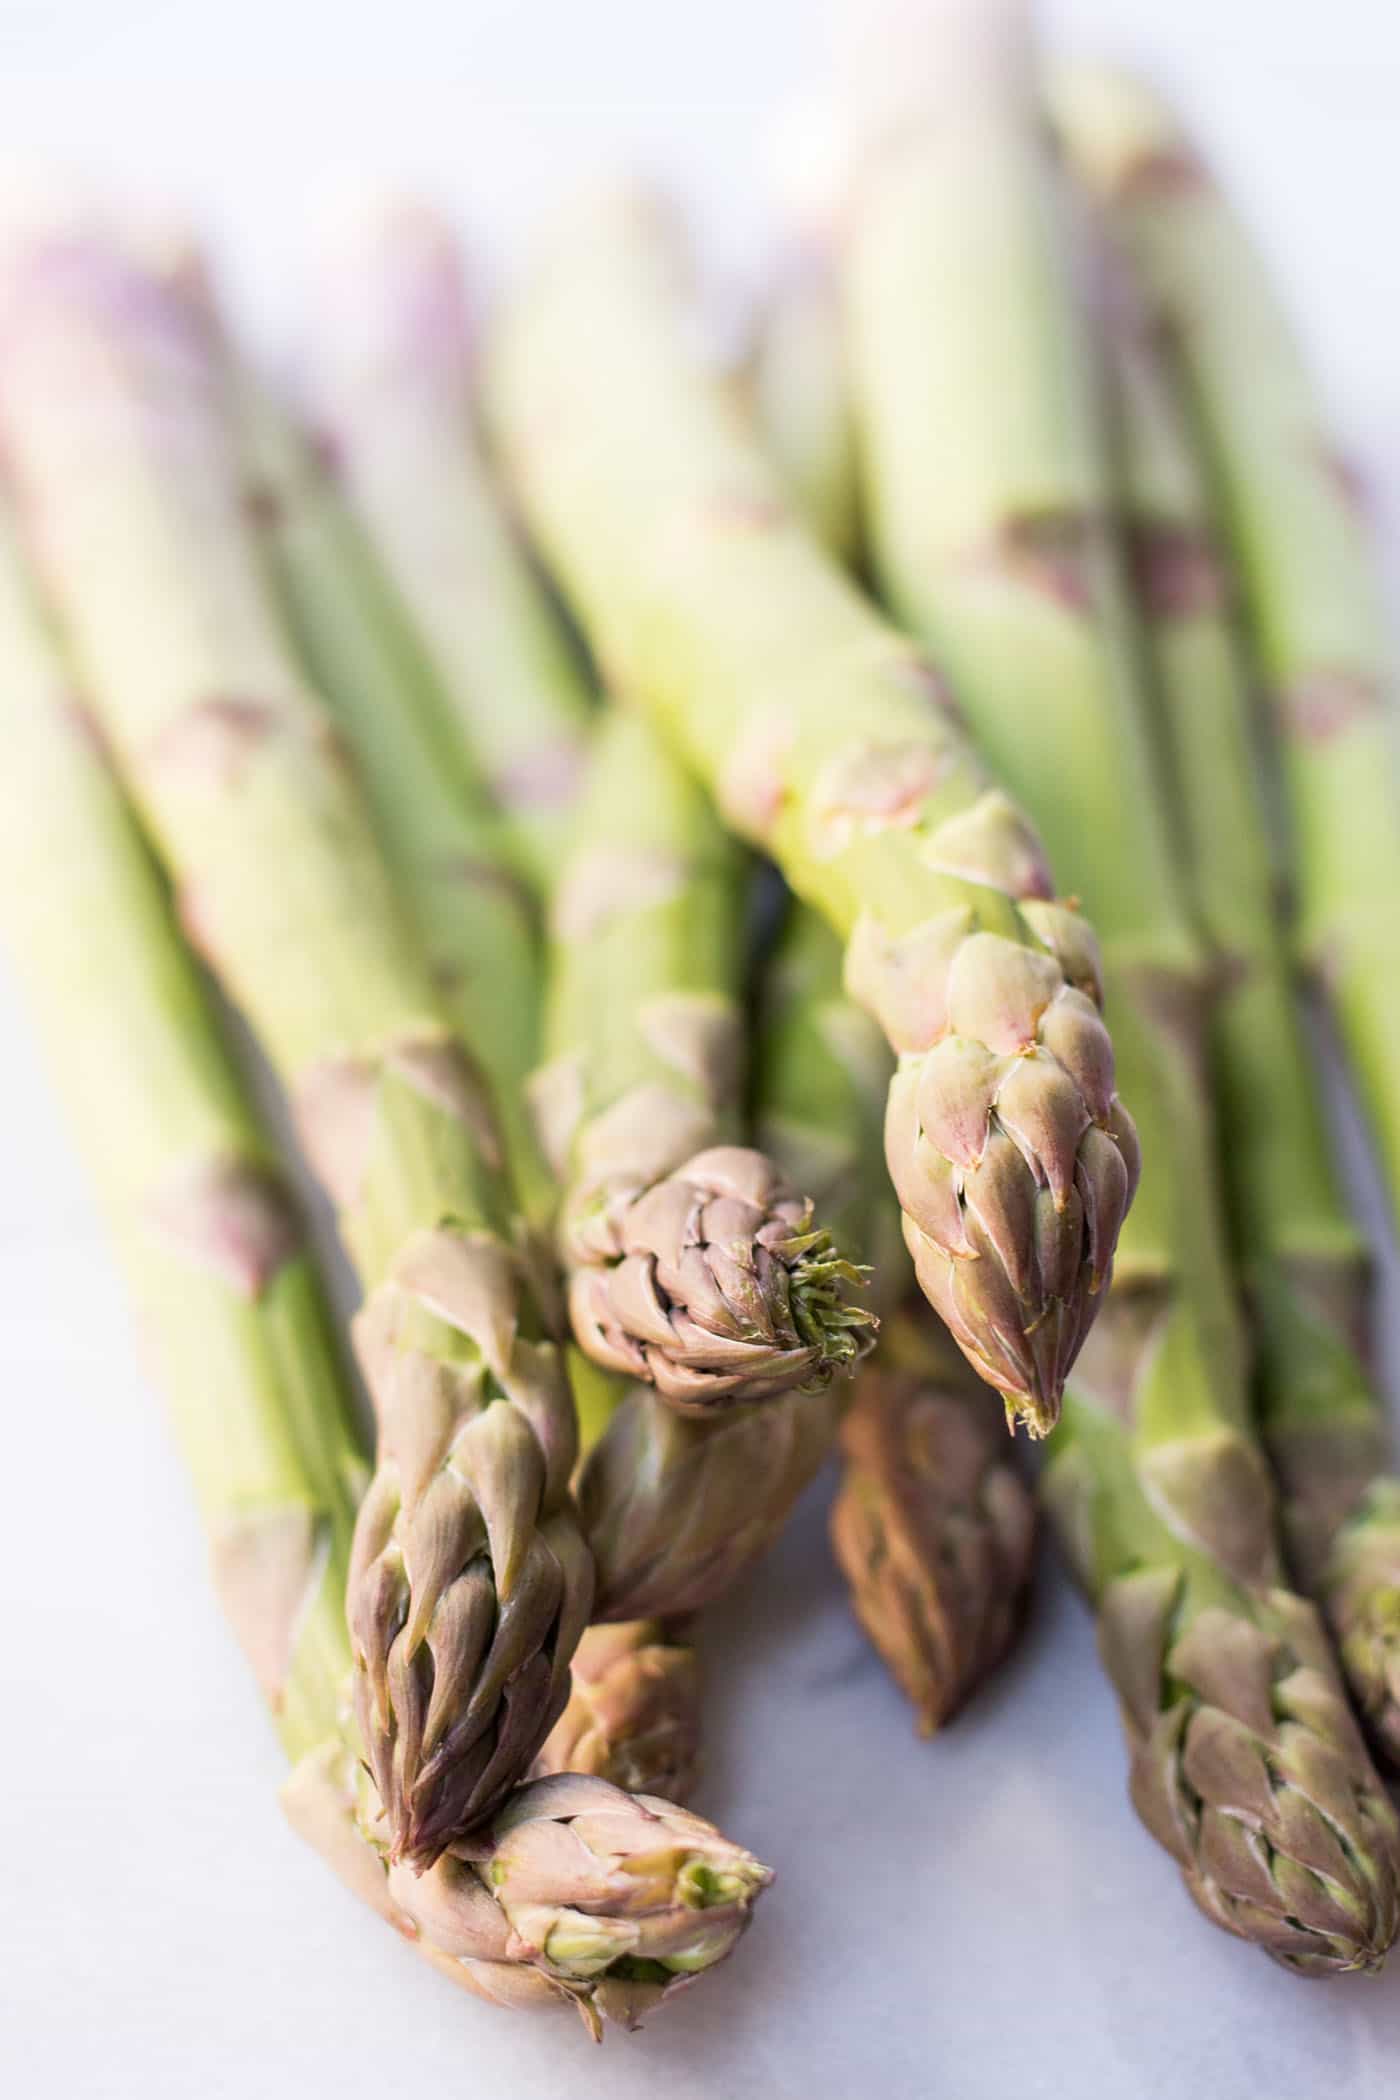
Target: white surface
954 1921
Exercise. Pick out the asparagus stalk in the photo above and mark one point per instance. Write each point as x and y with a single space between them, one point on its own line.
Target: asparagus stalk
393 388
228 1298
676 1508
1311 596
691 1263
633 1711
199 1212
469 1582
993 538
931 1525
798 387
1304 1264
826 738
440 831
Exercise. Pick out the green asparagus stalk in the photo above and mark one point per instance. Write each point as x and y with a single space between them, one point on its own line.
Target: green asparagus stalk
826 738
1303 1261
931 1526
228 1299
440 831
634 1707
993 537
393 385
677 1508
470 1582
691 1263
798 387
1311 596
200 1215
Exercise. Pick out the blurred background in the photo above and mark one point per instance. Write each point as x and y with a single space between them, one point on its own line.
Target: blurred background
265 113
258 118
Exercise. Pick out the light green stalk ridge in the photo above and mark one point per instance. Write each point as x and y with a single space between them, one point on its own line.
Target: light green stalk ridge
825 737
1304 1264
443 836
798 386
931 1525
993 536
470 1582
691 1262
200 1216
1311 594
393 388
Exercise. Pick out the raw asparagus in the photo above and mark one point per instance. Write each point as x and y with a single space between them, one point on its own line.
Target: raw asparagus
1311 596
677 1508
691 1264
470 1582
229 1301
993 536
392 385
445 841
1304 1264
931 1525
573 1892
828 739
200 1215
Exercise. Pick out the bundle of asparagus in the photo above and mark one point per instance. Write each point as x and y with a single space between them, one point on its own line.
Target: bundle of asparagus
994 538
483 890
232 1308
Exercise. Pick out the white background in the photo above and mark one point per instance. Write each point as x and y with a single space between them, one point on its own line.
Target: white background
957 1920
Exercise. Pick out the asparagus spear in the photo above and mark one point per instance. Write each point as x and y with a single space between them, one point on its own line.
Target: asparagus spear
826 738
1304 1264
691 1263
798 387
677 1508
229 1301
931 1525
393 389
993 538
633 1710
469 1582
1310 593
574 1891
443 836
199 1212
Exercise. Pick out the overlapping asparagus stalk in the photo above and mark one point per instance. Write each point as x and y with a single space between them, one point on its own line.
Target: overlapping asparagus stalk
1305 1266
932 1527
993 535
1310 592
201 1218
470 1582
691 1262
639 1898
633 1710
827 738
573 1892
444 838
393 374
